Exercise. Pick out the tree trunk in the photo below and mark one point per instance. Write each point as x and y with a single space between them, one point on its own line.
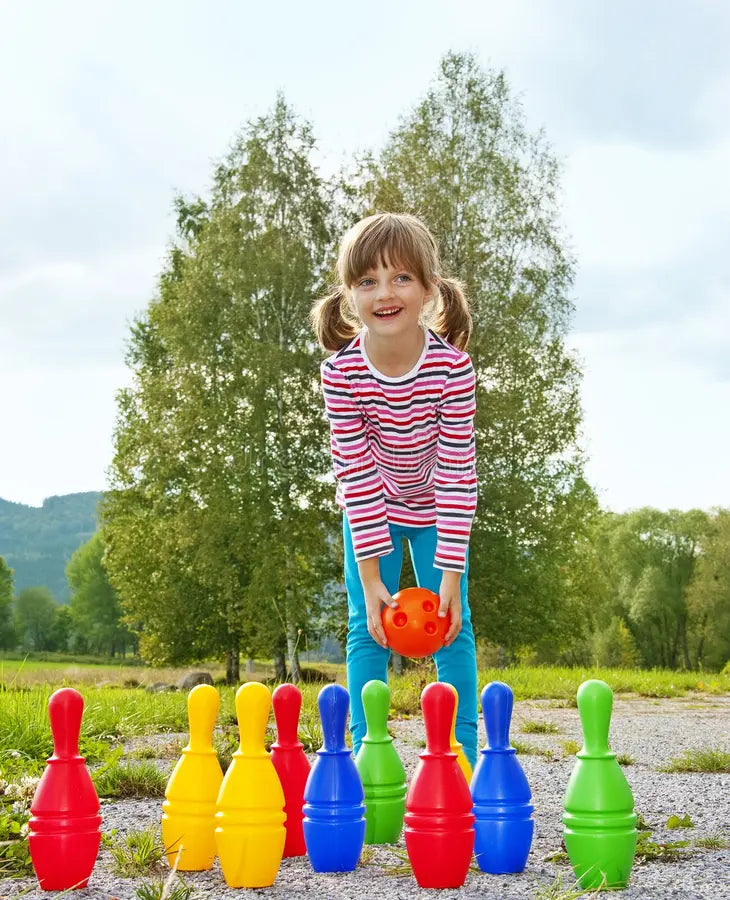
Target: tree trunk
397 661
685 646
233 665
292 644
279 665
701 644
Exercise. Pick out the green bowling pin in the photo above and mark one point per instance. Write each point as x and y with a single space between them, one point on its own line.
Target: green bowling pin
599 819
382 773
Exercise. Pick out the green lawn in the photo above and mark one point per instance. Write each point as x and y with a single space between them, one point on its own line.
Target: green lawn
115 712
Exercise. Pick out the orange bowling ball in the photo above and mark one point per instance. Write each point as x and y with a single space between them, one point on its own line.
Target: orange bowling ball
414 628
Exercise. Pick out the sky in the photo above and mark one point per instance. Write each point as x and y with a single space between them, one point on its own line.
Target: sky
107 111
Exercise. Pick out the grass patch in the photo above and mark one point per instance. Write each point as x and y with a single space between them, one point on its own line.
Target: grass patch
15 800
699 761
561 683
169 750
680 822
225 745
559 858
405 695
172 889
558 891
310 731
402 867
564 703
524 749
367 856
712 842
130 780
649 850
532 726
570 748
108 716
625 759
138 853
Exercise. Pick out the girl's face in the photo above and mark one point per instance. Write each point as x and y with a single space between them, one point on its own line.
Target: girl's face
389 300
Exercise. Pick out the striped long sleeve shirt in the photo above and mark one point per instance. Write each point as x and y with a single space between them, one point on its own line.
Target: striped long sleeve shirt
403 447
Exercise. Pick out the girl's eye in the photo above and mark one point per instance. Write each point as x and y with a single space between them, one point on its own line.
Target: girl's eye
365 281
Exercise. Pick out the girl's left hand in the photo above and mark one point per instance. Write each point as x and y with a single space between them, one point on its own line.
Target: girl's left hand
450 593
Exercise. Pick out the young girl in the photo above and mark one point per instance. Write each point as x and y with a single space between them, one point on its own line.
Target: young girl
400 399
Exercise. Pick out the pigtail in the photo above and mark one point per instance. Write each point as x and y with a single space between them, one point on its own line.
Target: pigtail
453 317
330 320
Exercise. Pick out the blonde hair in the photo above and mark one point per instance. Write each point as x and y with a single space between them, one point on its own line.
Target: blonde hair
404 240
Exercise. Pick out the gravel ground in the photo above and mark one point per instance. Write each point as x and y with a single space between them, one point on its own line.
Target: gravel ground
650 731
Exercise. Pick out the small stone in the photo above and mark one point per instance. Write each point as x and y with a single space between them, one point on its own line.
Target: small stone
192 679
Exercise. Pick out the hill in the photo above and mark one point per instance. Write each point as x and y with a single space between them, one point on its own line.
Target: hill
38 541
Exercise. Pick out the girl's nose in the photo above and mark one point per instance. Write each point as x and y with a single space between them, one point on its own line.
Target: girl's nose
383 291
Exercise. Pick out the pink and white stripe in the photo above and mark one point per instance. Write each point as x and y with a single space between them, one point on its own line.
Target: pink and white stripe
403 448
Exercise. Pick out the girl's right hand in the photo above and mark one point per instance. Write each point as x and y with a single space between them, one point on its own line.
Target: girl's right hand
376 594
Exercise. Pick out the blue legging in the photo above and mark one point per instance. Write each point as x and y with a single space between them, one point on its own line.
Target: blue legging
366 659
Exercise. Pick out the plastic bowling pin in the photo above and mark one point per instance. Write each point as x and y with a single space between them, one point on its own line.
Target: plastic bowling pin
456 747
439 820
382 773
502 800
291 764
600 823
250 831
65 825
188 813
334 811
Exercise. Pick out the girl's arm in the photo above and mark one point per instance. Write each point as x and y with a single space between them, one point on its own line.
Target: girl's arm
455 473
354 467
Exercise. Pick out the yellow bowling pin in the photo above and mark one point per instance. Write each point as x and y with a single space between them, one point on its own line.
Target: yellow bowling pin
455 745
250 831
188 813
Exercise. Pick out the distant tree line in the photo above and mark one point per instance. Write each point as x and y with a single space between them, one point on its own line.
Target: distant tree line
33 620
647 588
36 542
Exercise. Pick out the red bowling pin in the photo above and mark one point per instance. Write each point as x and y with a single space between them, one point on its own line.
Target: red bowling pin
65 823
291 764
439 819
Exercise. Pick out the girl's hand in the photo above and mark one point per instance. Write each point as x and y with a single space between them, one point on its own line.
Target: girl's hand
376 594
450 593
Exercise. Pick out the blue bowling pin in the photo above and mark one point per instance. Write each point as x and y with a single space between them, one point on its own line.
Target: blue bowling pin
504 826
334 807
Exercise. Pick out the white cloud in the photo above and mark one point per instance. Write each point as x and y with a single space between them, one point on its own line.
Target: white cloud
632 207
57 429
77 310
656 430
